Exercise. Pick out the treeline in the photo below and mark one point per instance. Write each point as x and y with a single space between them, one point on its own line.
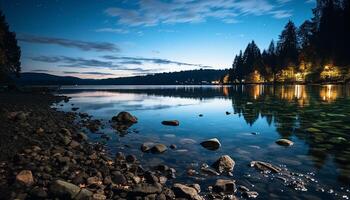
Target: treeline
316 51
10 52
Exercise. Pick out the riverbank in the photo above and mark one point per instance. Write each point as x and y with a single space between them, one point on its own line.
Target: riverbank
45 155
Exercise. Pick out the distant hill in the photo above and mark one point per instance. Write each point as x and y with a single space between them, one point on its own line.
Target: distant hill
191 77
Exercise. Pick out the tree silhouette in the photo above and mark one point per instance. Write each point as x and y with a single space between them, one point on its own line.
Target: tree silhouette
10 52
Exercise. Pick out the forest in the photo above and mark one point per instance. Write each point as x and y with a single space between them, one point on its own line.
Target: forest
315 52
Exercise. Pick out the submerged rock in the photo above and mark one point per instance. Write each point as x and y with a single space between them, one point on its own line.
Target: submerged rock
171 123
264 166
124 117
211 144
284 142
159 148
224 164
183 191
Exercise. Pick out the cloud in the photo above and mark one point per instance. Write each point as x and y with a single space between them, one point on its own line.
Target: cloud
155 12
310 1
280 14
89 73
113 30
140 60
78 44
283 1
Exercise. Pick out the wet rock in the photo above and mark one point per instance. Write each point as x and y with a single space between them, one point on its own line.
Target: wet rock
93 181
264 166
211 144
171 123
228 113
150 177
65 190
40 131
224 164
200 115
25 177
75 108
159 148
173 146
209 171
250 194
74 144
243 188
38 193
66 132
147 146
196 186
131 158
284 142
183 191
124 117
226 186
145 189
82 136
118 178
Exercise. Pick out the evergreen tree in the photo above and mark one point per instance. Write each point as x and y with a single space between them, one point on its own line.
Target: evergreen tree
237 67
287 49
10 52
251 59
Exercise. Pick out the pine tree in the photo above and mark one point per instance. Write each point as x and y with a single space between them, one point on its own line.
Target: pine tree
10 52
287 48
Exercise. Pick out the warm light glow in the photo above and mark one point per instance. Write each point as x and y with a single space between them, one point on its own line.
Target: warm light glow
329 93
330 72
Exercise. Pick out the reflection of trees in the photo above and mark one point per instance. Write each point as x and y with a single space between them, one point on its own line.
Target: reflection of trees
315 115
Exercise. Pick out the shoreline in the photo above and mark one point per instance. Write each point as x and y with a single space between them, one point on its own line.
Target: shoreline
48 157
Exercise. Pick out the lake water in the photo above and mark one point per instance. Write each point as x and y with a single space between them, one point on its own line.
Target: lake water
315 118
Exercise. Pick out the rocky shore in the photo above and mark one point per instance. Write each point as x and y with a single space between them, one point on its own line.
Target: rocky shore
45 155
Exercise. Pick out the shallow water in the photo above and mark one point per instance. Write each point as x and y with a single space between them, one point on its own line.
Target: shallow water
315 118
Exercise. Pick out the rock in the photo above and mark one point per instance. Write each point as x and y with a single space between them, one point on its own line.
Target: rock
75 108
250 194
243 188
224 164
40 131
284 142
118 178
131 159
93 181
171 123
226 186
150 177
147 146
187 141
264 166
159 148
65 190
228 113
99 197
200 115
173 146
211 144
66 140
183 191
82 136
66 132
38 193
196 186
25 177
74 144
145 189
124 117
210 171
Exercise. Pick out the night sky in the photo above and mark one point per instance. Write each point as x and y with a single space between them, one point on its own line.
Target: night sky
100 38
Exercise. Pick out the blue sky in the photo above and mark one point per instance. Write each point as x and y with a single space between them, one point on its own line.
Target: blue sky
101 39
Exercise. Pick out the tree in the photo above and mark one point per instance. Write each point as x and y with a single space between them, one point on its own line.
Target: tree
10 52
287 48
251 58
237 67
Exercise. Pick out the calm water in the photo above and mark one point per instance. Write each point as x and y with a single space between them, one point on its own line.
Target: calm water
315 118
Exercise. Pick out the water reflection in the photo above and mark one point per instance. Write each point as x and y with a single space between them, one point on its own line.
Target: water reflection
318 116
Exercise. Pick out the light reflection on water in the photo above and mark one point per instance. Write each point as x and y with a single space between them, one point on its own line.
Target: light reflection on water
290 111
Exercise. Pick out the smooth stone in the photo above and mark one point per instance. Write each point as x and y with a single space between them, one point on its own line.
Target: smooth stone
147 146
211 144
131 159
284 142
250 194
124 117
183 191
173 146
118 178
224 164
226 186
25 177
159 148
171 123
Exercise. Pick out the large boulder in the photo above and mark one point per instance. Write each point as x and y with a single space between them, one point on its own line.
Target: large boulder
65 190
224 164
186 192
211 144
124 118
